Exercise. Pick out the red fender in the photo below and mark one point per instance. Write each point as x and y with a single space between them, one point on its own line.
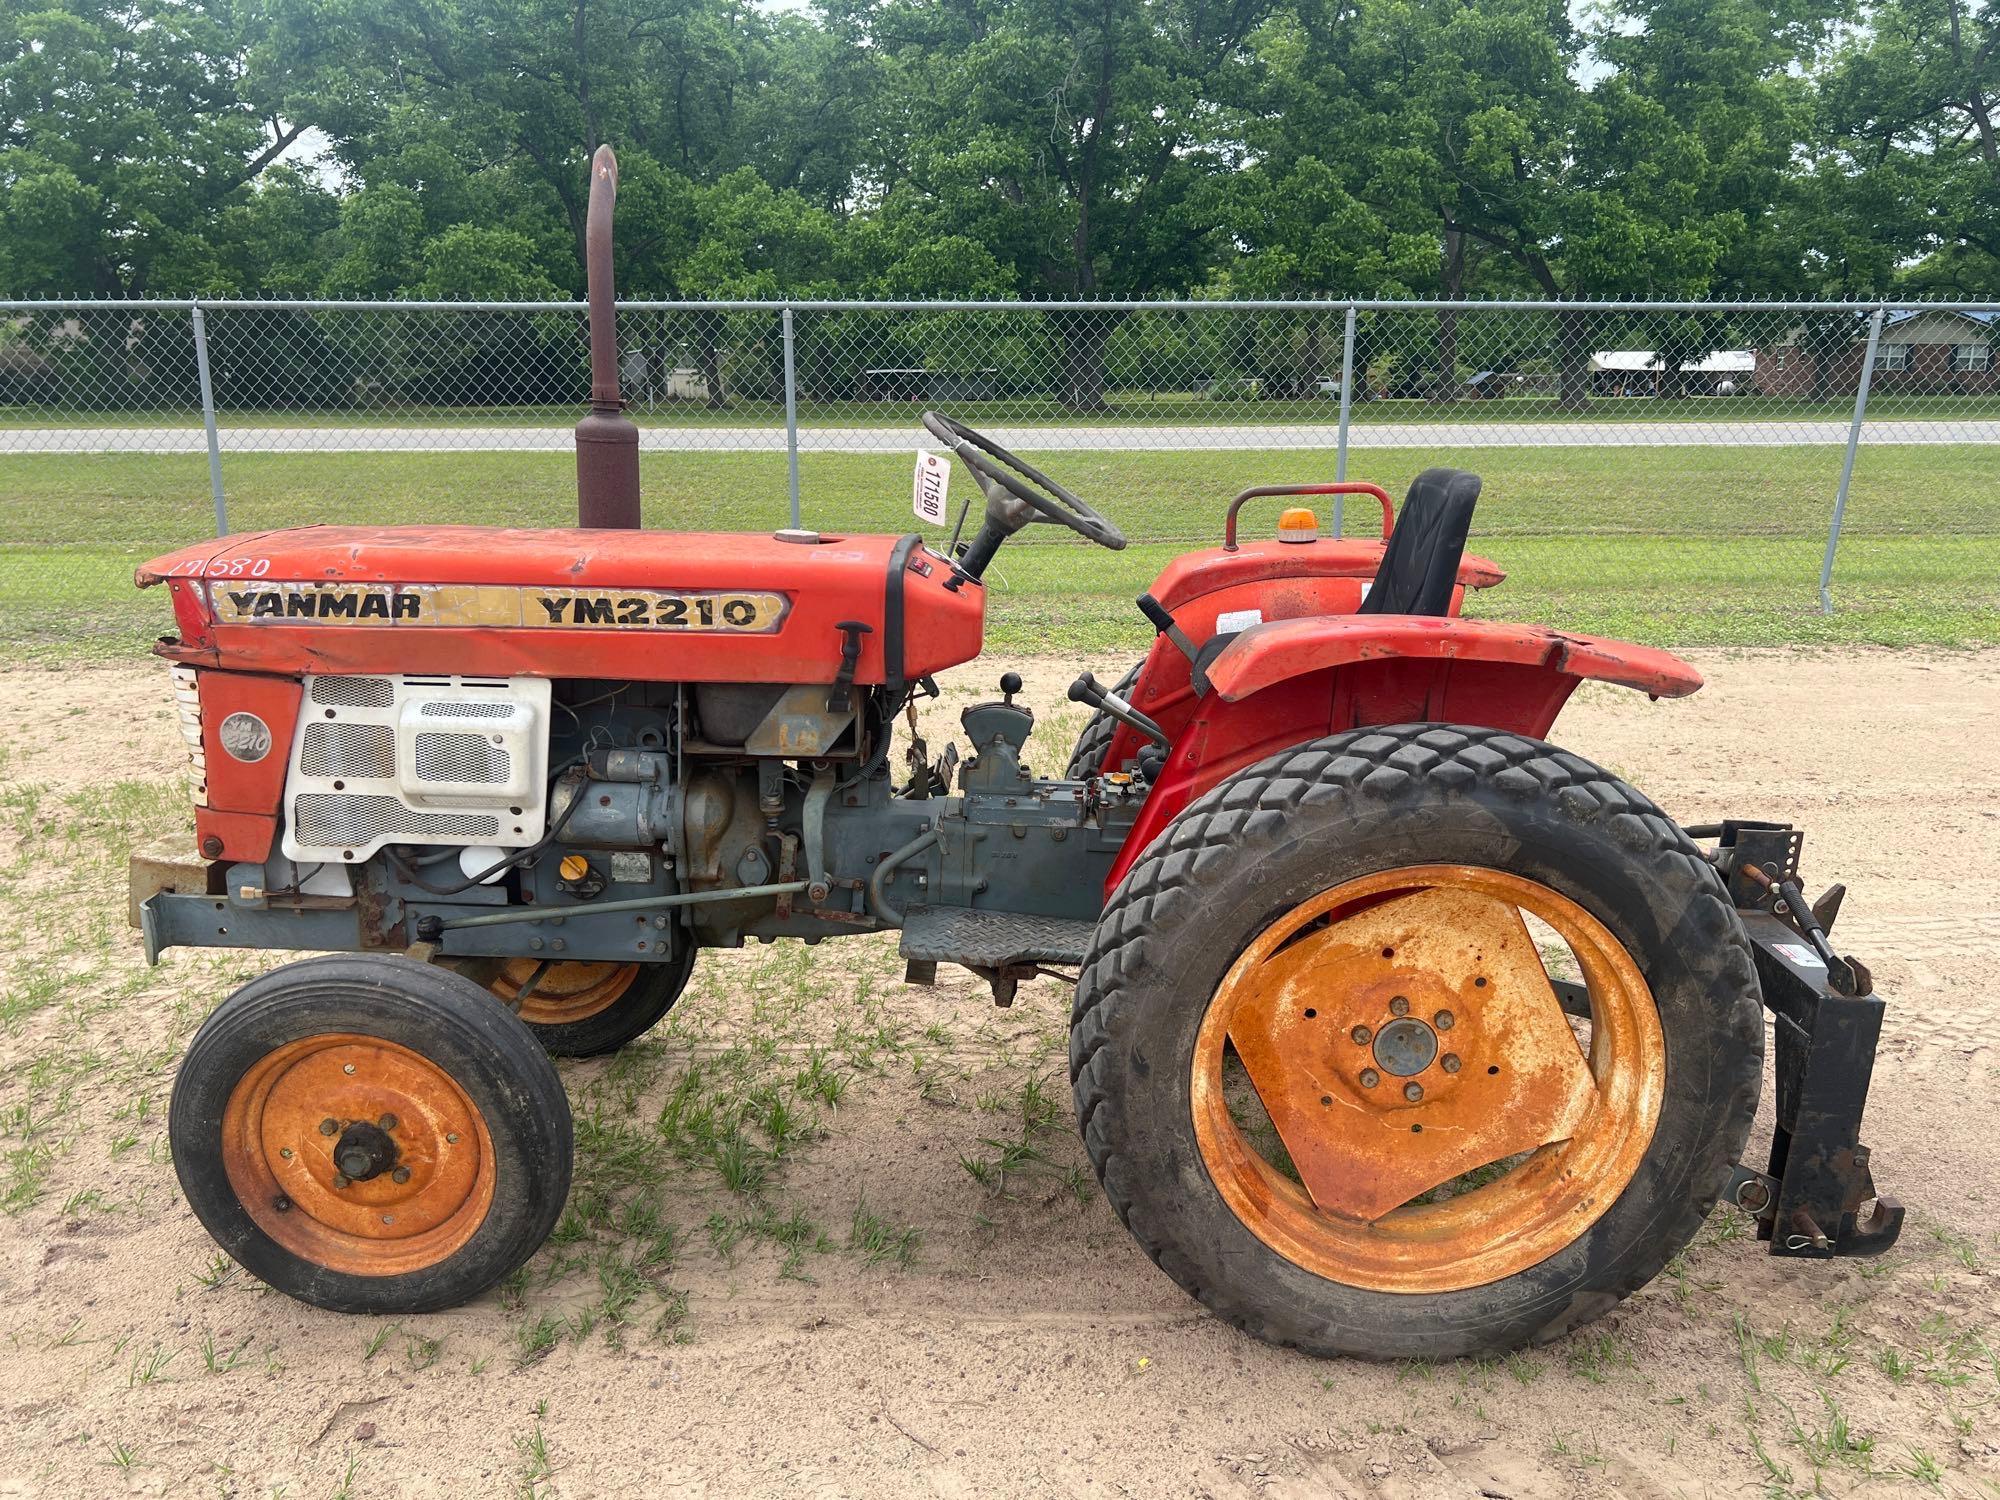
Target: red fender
1289 681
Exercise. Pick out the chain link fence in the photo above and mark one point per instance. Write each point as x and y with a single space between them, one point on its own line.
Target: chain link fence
1683 471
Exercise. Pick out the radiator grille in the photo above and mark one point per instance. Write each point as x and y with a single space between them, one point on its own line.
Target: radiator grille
466 710
462 758
345 821
353 692
348 750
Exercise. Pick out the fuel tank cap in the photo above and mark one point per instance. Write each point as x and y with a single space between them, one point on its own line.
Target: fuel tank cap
803 538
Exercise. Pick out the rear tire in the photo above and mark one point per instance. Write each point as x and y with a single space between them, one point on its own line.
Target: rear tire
447 1113
1361 810
1088 757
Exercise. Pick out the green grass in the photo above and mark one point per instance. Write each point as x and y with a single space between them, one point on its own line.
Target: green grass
1677 546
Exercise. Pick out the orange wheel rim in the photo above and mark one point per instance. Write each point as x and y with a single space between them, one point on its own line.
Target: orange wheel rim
565 993
1401 1033
422 1147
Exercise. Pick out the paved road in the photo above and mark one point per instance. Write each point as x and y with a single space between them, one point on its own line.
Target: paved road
1042 439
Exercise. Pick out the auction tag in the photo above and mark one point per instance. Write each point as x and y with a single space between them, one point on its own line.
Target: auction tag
1800 954
933 482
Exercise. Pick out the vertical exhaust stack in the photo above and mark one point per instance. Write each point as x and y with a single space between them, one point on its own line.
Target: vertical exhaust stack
607 441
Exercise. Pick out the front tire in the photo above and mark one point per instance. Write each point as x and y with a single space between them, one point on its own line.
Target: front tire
369 1134
586 1009
1400 885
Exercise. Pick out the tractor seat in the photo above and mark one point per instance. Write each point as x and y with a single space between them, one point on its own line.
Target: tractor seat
1420 565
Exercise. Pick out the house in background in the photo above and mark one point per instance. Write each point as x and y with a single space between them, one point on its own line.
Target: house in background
1637 372
1921 352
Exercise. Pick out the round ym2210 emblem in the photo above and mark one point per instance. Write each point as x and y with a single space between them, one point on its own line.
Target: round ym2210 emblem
245 736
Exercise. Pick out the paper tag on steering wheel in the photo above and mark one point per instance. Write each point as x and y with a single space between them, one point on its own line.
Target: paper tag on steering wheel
933 483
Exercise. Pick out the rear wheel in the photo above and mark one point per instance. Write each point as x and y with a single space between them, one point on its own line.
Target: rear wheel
369 1134
1375 1131
1088 757
585 1009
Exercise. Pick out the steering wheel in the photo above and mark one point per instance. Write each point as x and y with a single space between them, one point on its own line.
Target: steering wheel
1017 495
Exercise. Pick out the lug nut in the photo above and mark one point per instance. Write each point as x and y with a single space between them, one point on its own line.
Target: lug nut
387 1122
282 1204
401 1174
1369 1078
1451 1064
285 1152
452 1138
1362 1035
1399 1006
329 1127
348 1069
1444 1020
340 1179
1413 1092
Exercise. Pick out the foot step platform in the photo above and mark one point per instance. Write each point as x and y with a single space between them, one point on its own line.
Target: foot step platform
991 939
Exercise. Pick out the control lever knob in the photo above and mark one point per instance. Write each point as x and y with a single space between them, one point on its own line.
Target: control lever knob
1086 690
1010 684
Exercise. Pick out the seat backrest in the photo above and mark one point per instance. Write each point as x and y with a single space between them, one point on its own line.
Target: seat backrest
1420 565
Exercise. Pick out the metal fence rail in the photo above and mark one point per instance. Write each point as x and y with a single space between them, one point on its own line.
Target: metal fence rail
1775 437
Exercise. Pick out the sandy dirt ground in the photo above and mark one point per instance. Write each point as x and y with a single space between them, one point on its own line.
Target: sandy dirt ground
894 1275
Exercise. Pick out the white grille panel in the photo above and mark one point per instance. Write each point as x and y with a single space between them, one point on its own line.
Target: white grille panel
187 707
337 819
461 757
353 692
348 751
415 760
466 710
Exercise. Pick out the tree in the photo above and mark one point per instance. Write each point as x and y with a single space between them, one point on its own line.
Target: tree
125 128
1089 145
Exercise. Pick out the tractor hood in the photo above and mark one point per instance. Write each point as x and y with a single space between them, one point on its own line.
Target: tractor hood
611 604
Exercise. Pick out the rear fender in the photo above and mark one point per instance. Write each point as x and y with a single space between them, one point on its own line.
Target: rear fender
1280 684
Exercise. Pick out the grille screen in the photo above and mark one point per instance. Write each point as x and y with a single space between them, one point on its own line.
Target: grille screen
327 821
353 692
357 750
460 757
445 709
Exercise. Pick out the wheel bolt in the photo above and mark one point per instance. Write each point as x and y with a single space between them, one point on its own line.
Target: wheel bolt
329 1127
1369 1078
1399 1006
387 1122
282 1204
348 1069
1362 1035
1444 1020
452 1138
285 1152
1451 1063
1413 1092
401 1174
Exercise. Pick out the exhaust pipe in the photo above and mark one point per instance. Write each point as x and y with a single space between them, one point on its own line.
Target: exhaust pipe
607 441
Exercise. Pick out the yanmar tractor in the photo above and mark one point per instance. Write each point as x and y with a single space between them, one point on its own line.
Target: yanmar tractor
1398 1030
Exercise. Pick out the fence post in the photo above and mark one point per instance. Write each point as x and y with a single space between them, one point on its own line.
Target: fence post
208 420
1847 467
1346 406
791 417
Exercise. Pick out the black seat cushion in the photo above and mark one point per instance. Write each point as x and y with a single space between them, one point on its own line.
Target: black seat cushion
1420 565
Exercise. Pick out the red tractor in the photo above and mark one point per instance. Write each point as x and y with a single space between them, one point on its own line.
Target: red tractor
1398 1030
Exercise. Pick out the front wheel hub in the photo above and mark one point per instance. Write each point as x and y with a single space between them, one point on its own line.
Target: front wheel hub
365 1150
1405 1047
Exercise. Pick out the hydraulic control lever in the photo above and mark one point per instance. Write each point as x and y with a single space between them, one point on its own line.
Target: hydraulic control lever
1162 621
1087 689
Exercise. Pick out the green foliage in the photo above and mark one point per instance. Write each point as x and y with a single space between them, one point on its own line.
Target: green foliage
899 148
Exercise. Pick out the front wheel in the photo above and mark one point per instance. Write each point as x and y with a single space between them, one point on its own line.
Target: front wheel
585 1009
1325 1079
369 1134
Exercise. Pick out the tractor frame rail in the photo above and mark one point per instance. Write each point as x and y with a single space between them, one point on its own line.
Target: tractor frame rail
1826 1020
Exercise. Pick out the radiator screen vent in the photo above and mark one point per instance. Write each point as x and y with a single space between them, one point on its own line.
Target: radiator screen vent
467 710
330 821
353 692
461 758
348 751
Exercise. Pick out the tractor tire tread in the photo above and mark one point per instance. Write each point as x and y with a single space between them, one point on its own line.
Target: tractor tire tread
1251 811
